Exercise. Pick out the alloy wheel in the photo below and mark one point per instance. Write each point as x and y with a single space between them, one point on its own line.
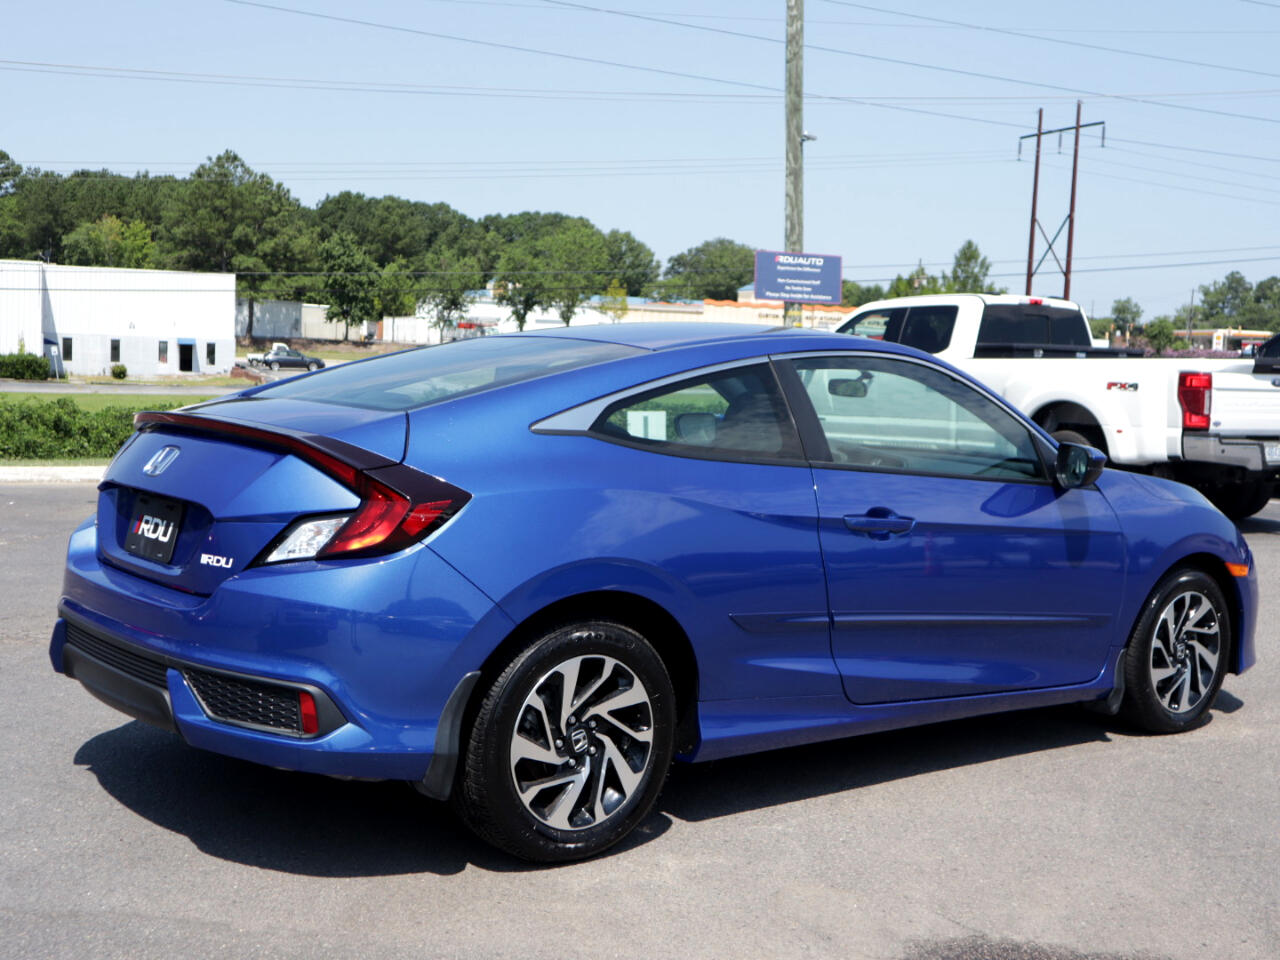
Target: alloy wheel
582 743
1185 650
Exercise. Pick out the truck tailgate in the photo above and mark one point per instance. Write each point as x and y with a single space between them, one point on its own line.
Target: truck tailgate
1245 404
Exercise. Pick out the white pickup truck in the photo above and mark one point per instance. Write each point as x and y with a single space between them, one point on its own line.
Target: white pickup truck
1214 424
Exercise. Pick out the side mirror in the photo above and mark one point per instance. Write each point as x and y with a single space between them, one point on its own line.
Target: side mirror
1077 465
846 387
698 429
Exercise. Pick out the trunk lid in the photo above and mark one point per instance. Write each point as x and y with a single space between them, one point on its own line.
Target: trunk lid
198 495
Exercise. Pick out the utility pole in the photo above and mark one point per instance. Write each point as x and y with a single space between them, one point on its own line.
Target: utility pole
793 312
1071 214
1035 194
1069 222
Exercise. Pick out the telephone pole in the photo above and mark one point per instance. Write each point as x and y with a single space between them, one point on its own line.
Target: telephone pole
1069 222
793 312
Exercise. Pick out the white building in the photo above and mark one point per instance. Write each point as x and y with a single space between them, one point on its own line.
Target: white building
85 319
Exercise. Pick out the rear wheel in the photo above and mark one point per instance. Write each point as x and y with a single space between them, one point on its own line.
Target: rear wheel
571 744
1177 653
275 365
1071 436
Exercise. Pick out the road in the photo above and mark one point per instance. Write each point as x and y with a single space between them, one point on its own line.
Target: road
1046 835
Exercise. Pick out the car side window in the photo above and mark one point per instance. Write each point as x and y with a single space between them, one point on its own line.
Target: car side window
736 414
898 415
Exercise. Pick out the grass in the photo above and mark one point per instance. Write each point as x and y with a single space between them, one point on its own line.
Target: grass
101 401
61 462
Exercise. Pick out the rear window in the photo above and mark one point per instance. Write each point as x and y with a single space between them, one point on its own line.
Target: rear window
1032 323
415 378
925 328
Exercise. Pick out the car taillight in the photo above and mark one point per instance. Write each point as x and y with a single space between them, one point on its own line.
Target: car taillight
1194 390
398 505
307 713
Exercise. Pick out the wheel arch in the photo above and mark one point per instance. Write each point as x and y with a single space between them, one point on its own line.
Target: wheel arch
648 618
1068 415
1216 568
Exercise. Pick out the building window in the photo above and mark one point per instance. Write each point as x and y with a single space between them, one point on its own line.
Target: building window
210 353
164 351
115 351
66 348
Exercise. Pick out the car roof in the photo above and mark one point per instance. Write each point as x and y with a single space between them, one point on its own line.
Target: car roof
668 335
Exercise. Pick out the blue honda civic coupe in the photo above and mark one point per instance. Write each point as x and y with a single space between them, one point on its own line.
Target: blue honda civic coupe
526 572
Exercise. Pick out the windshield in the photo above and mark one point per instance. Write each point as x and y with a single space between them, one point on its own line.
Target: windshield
402 381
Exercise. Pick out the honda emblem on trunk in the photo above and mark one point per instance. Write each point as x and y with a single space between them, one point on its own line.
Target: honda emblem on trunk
160 461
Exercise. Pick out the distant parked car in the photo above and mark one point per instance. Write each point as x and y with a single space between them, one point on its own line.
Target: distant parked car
282 356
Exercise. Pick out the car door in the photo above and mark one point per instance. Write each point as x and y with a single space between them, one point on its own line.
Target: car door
954 565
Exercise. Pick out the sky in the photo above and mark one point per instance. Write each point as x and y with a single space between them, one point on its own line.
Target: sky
666 118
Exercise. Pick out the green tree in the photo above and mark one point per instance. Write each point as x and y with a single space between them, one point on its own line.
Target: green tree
350 282
450 288
1227 301
713 270
10 170
577 258
917 283
110 243
398 291
614 302
1161 334
969 272
855 294
1125 314
631 262
224 218
520 280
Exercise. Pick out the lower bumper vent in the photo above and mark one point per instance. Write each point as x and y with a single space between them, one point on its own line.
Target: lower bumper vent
248 703
149 670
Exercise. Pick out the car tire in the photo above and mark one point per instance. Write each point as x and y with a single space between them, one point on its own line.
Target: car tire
311 365
570 746
1177 654
275 365
1241 500
1071 436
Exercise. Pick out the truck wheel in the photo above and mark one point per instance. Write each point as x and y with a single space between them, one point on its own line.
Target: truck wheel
1240 500
1070 436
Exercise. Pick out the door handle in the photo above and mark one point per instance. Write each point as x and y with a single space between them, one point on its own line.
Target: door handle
879 523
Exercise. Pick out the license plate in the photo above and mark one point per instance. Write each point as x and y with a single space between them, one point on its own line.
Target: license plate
1272 452
153 530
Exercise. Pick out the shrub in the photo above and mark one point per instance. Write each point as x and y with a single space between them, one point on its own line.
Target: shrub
119 371
24 366
61 428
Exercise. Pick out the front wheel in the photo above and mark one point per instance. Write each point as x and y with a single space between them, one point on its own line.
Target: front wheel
571 744
311 365
275 365
1177 654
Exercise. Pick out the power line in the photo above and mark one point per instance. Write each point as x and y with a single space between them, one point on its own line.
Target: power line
911 63
1070 43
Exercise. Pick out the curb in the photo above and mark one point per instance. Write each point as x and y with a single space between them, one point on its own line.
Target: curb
51 474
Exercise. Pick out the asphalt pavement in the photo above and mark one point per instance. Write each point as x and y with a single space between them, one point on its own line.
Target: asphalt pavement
1044 835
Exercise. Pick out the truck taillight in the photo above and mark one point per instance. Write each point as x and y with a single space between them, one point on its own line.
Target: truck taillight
1193 396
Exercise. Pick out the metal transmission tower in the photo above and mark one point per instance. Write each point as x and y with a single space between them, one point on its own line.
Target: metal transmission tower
1070 221
794 241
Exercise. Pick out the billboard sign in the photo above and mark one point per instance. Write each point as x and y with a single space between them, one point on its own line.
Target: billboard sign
798 277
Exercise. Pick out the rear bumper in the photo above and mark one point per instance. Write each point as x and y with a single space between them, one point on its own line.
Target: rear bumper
380 646
1245 453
